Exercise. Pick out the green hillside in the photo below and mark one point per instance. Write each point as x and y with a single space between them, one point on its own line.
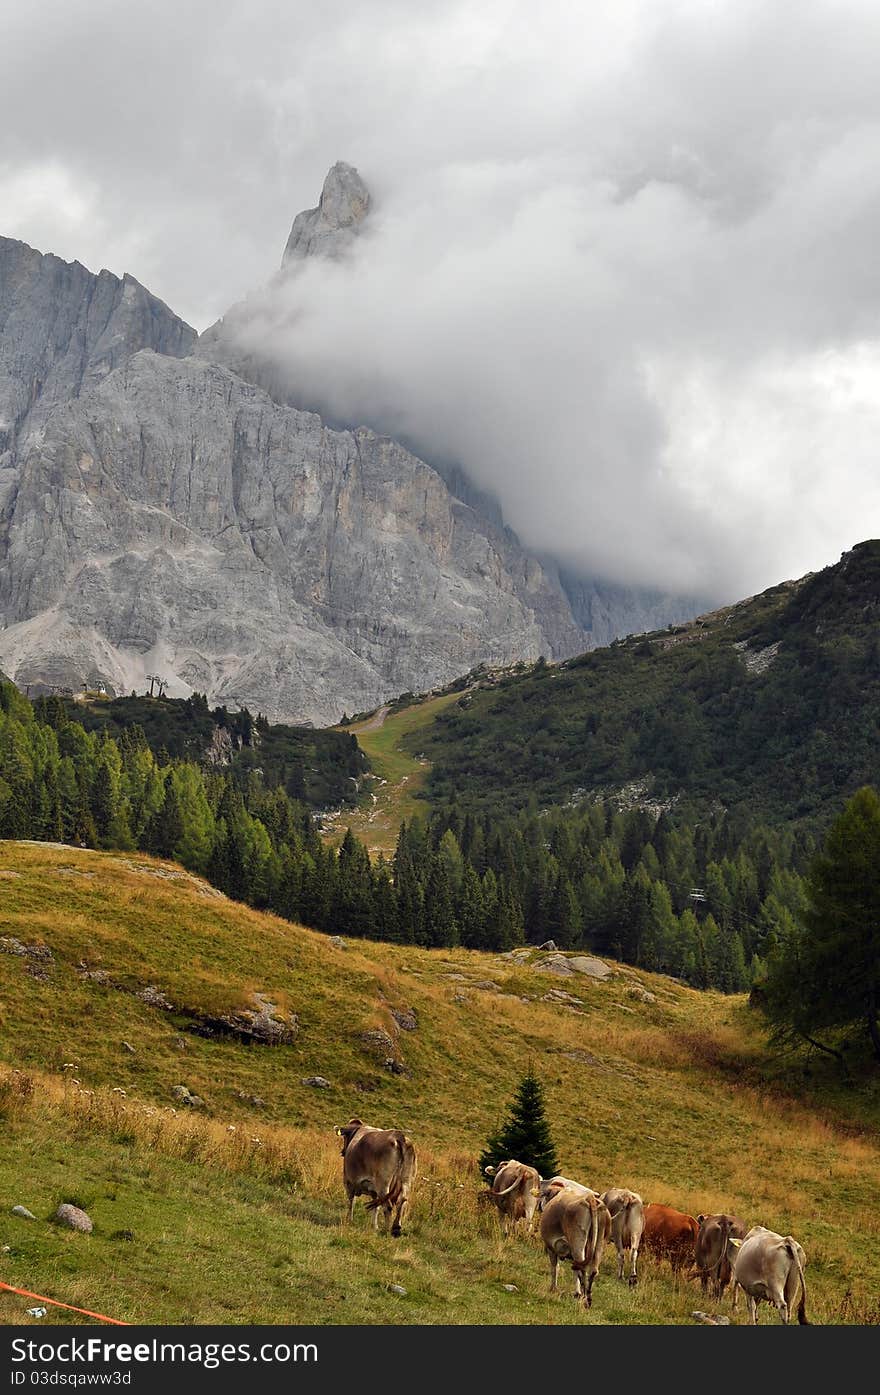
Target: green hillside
769 708
122 977
320 768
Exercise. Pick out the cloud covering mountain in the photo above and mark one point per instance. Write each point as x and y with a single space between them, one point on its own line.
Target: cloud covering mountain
620 262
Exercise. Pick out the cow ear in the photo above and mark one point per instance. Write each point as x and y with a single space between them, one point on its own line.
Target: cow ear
700 1219
338 1131
732 1240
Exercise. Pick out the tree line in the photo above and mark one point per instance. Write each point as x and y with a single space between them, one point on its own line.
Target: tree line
702 903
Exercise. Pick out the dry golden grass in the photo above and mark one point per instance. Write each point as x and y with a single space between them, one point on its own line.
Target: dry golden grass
675 1098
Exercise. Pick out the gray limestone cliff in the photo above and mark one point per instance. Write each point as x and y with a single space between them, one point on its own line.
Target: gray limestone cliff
174 518
327 230
63 328
166 508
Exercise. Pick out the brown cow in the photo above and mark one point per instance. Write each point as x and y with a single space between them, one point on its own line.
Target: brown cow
627 1223
712 1254
378 1163
514 1190
670 1234
575 1226
770 1266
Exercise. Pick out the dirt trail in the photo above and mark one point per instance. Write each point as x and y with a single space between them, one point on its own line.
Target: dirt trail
372 723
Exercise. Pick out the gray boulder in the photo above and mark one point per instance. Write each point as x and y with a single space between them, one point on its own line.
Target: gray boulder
74 1217
555 964
405 1019
641 995
592 967
317 1082
185 1096
23 1213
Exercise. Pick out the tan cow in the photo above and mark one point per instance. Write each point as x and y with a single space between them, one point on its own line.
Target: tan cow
712 1253
627 1223
378 1163
551 1186
514 1190
771 1267
575 1226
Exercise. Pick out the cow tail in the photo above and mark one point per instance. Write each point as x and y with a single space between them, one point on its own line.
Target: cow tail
395 1186
725 1236
802 1304
594 1229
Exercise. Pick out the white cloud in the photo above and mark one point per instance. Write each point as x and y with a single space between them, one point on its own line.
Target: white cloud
622 262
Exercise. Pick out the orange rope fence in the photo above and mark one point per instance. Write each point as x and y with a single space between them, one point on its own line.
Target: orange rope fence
117 1322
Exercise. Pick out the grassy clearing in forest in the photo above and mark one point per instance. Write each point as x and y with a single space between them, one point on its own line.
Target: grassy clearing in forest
395 793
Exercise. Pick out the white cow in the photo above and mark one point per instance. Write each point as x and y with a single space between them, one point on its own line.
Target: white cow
627 1223
770 1267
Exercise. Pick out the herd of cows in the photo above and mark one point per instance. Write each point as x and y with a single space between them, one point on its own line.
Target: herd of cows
575 1223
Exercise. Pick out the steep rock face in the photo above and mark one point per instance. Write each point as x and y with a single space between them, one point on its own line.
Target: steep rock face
175 516
607 611
327 230
63 328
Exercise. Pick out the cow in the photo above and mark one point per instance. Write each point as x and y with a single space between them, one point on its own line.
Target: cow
712 1253
627 1223
378 1163
575 1226
551 1186
770 1266
514 1190
670 1234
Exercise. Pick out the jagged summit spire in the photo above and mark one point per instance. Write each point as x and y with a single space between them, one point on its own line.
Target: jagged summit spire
327 230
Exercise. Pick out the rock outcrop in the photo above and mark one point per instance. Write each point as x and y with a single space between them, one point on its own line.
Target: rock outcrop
63 329
326 231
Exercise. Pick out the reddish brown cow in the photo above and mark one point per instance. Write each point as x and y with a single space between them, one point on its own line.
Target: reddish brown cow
670 1234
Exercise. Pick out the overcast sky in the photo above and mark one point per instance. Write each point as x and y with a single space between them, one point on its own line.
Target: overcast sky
622 262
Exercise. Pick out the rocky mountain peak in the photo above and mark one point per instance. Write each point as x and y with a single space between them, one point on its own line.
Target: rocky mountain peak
326 231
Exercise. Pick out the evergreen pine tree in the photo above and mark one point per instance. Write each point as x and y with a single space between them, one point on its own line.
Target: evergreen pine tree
525 1135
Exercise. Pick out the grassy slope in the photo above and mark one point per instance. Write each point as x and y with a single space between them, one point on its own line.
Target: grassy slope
670 1097
788 738
395 793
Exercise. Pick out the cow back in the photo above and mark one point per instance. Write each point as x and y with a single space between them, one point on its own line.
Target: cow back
383 1158
669 1232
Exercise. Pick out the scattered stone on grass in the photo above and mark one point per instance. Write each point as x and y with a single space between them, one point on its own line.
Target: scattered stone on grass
185 1096
23 1213
555 964
317 1082
640 995
405 1019
74 1217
